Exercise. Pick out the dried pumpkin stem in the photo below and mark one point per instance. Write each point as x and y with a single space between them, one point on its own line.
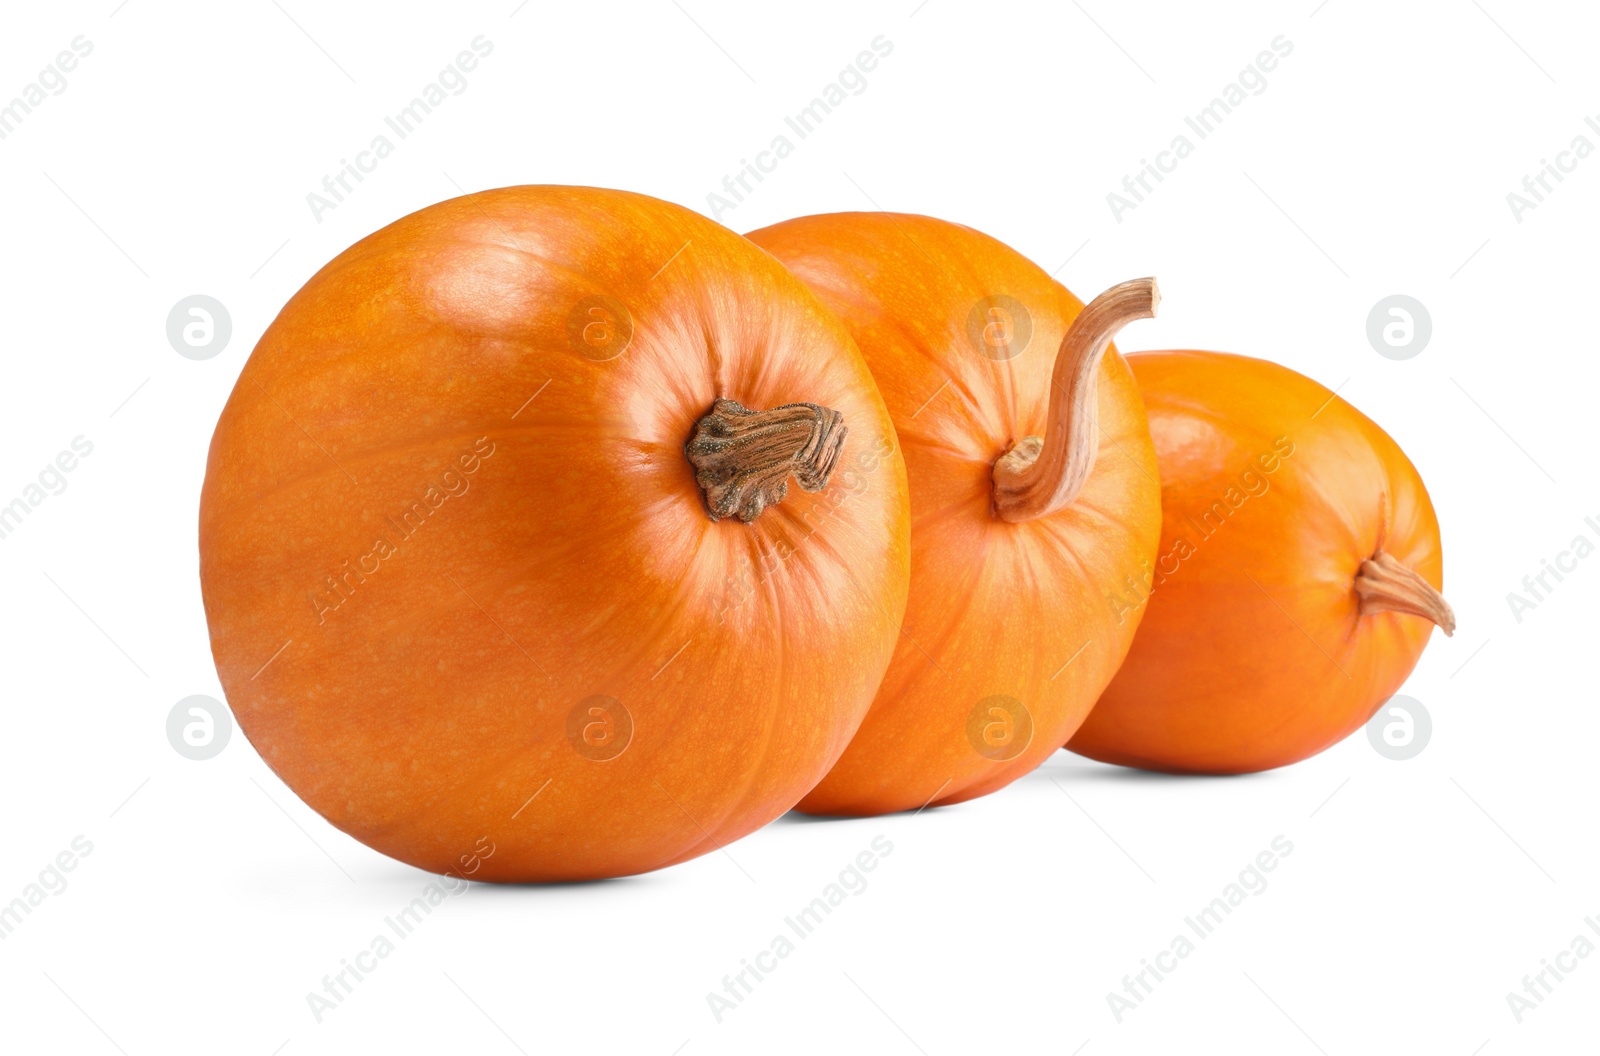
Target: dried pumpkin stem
1386 585
1041 475
743 458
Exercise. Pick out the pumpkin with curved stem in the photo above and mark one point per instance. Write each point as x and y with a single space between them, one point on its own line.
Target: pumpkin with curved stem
1033 492
1297 579
501 564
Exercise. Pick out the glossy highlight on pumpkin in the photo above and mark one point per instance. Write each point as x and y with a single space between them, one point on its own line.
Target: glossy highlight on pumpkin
463 587
1010 632
1296 583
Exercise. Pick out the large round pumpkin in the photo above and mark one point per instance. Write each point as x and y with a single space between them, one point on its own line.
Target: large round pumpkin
1297 580
502 568
1033 492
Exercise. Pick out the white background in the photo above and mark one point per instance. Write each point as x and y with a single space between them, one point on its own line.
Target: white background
1376 161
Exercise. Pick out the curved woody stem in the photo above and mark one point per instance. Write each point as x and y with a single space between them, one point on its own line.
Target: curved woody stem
1386 585
1041 475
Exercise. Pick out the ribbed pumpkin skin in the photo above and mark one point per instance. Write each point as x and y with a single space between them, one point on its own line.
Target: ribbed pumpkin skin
427 714
1253 653
996 609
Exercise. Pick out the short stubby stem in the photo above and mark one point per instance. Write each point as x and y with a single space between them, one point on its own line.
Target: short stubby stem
1043 474
743 458
1386 585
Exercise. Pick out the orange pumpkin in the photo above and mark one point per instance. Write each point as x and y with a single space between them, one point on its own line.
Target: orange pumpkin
502 570
1033 493
1297 580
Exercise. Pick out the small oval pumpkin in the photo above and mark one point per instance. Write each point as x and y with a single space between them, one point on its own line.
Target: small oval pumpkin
1033 492
1297 579
502 569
